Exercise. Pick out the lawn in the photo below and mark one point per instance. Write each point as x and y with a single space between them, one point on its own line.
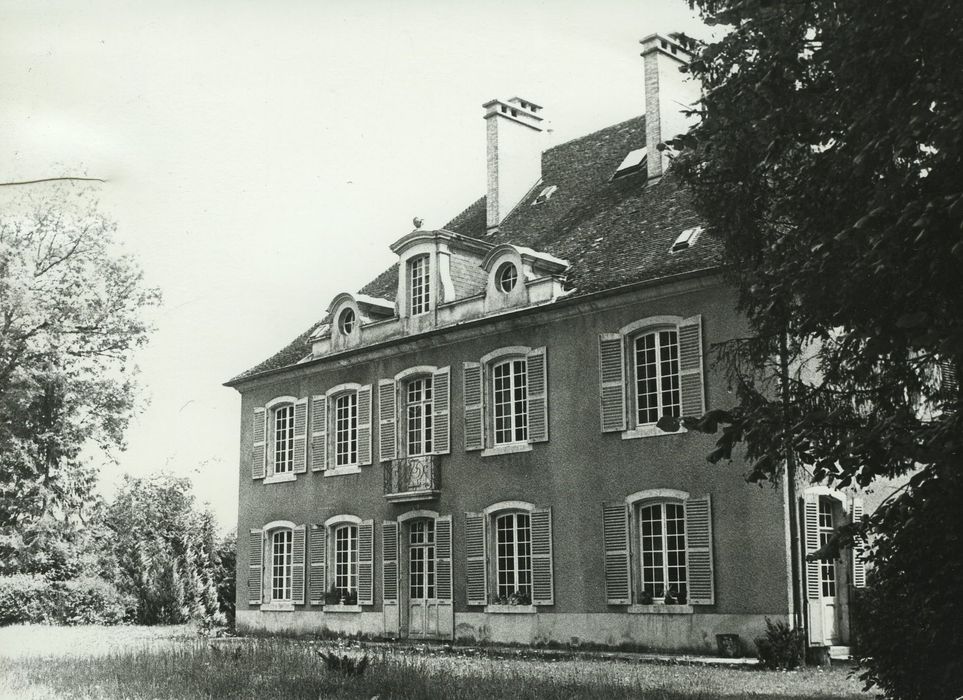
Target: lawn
172 662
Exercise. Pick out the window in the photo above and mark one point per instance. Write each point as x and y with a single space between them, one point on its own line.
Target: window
279 439
633 162
421 560
686 239
346 559
513 542
346 321
283 435
507 277
510 401
419 289
827 567
275 566
281 565
346 429
418 415
662 545
657 376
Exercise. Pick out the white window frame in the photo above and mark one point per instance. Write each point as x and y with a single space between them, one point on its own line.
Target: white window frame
348 433
426 431
419 284
661 408
272 473
680 584
428 575
517 569
269 602
345 569
515 415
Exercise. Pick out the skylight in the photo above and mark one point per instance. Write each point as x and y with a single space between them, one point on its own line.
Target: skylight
686 239
545 194
633 162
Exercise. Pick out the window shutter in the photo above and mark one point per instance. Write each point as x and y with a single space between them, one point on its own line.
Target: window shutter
364 424
859 548
387 420
366 563
615 543
319 429
691 375
474 416
811 524
259 448
441 411
476 570
255 570
537 396
317 583
300 436
543 584
698 550
389 577
297 564
443 558
612 382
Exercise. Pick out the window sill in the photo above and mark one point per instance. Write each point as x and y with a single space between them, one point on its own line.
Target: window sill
342 608
280 478
647 431
342 471
510 609
660 609
280 606
508 449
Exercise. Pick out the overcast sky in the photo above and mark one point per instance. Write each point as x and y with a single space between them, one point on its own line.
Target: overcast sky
261 156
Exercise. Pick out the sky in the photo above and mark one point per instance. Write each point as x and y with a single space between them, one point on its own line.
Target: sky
260 157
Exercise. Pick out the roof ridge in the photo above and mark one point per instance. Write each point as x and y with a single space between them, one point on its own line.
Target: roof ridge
610 127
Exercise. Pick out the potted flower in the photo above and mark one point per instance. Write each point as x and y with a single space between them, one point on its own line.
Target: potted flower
645 598
333 596
519 598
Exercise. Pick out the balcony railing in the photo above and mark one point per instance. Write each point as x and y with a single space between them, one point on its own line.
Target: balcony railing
412 478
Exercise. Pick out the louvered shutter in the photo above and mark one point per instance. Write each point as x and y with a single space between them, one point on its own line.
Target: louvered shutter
364 425
859 548
389 576
441 411
612 382
255 570
691 375
476 572
300 436
317 581
615 543
537 396
814 605
319 429
387 420
259 446
297 565
443 558
474 414
543 580
366 563
698 550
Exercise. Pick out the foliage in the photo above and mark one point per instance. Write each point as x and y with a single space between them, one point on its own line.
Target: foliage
345 664
34 599
827 161
782 646
71 316
24 598
225 576
166 551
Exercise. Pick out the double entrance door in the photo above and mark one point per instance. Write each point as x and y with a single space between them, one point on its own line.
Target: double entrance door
420 619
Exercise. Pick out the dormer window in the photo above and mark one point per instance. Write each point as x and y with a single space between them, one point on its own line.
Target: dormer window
633 162
686 239
419 289
346 321
507 277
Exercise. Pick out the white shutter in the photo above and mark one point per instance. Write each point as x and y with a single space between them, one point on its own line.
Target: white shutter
537 396
366 563
543 583
612 382
297 565
319 429
615 544
317 581
441 411
255 572
476 569
389 577
443 558
300 436
387 420
364 425
691 377
814 607
859 548
698 550
473 400
259 446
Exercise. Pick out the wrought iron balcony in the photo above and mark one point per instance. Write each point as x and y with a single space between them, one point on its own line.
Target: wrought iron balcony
412 478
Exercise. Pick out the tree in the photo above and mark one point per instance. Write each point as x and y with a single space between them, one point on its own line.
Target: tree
827 159
71 316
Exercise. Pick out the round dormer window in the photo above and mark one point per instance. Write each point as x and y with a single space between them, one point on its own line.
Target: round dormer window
507 277
346 321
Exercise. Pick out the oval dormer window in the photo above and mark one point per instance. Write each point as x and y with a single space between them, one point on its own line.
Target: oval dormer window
346 321
507 277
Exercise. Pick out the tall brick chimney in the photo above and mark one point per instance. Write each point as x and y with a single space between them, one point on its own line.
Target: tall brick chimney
667 93
515 142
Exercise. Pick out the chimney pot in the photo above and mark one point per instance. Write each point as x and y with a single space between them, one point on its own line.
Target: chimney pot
514 148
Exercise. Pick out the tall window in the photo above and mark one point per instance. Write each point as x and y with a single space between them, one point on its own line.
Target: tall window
657 376
421 560
418 285
418 407
346 429
281 565
662 534
283 439
513 542
510 401
827 567
346 558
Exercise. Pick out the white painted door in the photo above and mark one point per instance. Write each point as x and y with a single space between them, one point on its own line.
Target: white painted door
830 586
421 586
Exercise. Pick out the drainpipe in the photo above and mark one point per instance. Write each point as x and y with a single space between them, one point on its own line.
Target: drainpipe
795 542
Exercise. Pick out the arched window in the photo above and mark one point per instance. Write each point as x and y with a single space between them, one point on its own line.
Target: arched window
655 362
346 429
281 562
419 428
346 559
282 438
510 401
513 566
419 286
661 526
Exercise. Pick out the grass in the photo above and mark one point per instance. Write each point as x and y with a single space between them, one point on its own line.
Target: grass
137 662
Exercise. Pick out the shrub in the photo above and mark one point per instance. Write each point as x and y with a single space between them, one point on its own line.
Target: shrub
32 599
782 647
25 598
